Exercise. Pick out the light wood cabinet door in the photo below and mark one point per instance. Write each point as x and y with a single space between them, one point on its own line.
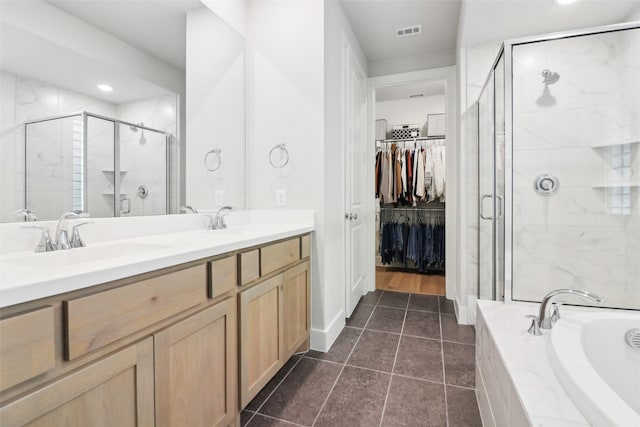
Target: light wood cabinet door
296 304
196 369
261 347
114 391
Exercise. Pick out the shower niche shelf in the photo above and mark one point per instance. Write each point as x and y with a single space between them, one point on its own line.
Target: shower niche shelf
616 185
112 171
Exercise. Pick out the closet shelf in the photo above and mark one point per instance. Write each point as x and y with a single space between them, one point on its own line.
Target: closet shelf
616 185
615 144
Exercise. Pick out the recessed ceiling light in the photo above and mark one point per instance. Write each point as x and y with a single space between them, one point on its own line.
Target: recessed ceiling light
565 2
104 87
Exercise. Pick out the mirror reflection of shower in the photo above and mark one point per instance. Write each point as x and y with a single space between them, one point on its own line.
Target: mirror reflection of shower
142 139
548 78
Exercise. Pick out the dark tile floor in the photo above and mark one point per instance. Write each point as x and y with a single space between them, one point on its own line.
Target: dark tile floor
402 360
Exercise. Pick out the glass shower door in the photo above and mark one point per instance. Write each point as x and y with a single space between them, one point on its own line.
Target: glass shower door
486 275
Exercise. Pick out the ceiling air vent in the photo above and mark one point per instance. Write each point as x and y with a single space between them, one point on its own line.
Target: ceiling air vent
409 31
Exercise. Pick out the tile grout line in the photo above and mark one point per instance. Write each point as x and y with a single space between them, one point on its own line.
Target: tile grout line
444 377
273 391
277 419
386 372
344 364
395 358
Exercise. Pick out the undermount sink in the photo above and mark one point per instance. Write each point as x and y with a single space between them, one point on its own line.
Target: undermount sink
61 259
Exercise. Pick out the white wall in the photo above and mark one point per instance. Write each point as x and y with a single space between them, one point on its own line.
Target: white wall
215 111
409 111
285 104
294 93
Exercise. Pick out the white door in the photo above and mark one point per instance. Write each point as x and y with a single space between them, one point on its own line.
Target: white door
355 127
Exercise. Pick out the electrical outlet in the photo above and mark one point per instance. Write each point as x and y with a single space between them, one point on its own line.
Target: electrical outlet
219 197
281 197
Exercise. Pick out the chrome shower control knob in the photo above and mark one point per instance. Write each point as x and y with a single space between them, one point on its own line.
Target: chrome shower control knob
546 184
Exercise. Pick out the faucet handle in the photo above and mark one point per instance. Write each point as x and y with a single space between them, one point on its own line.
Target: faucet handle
555 314
45 244
534 329
76 240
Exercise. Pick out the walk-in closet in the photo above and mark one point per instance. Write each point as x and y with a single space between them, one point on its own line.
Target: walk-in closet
410 188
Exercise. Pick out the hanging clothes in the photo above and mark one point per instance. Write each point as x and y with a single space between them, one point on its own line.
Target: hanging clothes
415 245
407 176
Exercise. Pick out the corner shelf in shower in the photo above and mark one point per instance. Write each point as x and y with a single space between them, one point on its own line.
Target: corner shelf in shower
616 144
112 171
616 185
111 193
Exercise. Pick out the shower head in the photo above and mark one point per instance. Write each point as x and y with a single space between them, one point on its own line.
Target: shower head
134 128
549 77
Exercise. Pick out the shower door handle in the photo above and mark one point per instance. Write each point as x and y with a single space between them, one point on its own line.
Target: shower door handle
484 196
500 206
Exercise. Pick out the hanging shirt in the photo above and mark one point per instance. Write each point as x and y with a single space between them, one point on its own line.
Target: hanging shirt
428 173
384 180
420 189
438 171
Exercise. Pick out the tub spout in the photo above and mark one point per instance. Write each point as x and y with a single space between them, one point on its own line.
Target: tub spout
546 318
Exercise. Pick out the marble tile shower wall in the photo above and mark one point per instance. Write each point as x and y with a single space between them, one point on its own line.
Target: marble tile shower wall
587 235
145 160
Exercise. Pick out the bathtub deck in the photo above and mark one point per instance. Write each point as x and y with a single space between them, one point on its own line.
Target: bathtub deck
515 382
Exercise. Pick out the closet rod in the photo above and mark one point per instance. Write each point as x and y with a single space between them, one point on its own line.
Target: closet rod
430 208
422 138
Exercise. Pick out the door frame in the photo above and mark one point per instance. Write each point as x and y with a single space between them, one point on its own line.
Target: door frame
452 214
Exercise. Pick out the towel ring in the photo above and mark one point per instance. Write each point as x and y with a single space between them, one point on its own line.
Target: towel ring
213 160
284 156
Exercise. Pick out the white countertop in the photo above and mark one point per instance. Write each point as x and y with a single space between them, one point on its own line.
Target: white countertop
26 276
525 357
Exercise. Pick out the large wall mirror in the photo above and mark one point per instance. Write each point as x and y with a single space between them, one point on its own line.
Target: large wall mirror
119 108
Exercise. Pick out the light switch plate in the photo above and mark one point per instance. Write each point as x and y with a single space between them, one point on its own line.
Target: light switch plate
281 197
219 197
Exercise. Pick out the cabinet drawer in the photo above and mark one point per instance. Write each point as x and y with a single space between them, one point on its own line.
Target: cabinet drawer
100 319
222 276
249 266
27 348
279 255
305 246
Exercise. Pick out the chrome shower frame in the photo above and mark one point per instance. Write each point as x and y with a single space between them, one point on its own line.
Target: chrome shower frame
84 115
507 50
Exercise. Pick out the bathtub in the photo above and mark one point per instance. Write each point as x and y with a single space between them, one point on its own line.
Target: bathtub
597 368
581 373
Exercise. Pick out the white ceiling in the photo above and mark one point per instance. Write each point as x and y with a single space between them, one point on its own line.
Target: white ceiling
26 54
157 27
392 93
374 23
484 21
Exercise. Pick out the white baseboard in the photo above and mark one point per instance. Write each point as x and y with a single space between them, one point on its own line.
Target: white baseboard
322 339
461 313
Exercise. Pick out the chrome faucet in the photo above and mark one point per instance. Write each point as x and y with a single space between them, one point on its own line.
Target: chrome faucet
546 319
187 208
28 214
218 223
62 233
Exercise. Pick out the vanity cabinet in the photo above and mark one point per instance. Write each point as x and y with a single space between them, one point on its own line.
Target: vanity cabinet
261 351
275 319
189 345
114 391
195 369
